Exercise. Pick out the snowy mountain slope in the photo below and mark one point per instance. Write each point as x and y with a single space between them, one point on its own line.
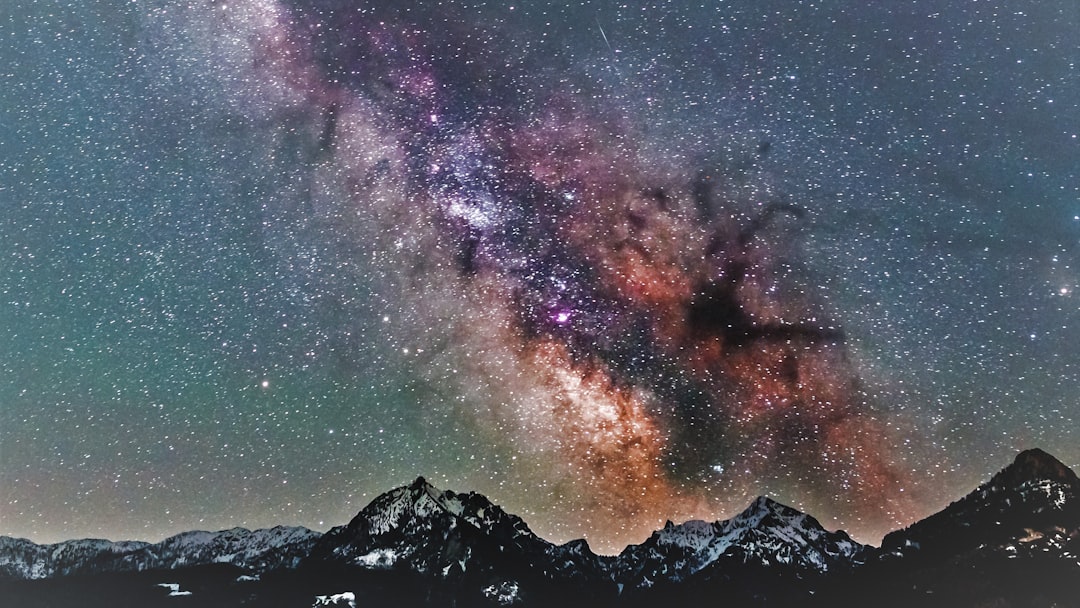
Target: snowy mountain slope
1012 542
462 547
1032 507
257 551
766 534
421 528
24 560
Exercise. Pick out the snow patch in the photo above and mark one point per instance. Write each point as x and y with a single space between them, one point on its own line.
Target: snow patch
174 589
379 558
505 593
347 598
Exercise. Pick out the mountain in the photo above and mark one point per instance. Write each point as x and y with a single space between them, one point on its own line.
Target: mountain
254 551
426 530
21 559
769 553
1012 542
766 534
469 548
1030 507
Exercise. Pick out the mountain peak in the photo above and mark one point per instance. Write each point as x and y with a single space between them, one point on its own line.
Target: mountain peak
421 484
764 504
765 534
1032 466
1035 464
766 511
422 529
1034 494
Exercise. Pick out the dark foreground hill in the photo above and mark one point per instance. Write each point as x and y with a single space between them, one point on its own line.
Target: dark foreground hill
1012 542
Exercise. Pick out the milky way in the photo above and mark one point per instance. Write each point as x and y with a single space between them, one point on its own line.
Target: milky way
513 257
629 333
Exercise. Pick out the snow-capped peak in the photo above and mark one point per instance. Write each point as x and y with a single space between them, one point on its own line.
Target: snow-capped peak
387 512
765 533
766 510
422 528
407 507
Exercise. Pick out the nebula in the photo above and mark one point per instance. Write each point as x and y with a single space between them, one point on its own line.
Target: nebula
619 318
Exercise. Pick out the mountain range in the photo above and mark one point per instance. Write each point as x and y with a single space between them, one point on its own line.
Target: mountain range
1013 541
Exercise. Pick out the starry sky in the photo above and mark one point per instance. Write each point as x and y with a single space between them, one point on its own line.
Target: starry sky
608 264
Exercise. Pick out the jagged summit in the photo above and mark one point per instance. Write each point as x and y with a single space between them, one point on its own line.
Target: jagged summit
421 528
763 506
404 506
765 502
766 534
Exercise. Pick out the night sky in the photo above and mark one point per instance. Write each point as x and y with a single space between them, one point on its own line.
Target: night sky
607 264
